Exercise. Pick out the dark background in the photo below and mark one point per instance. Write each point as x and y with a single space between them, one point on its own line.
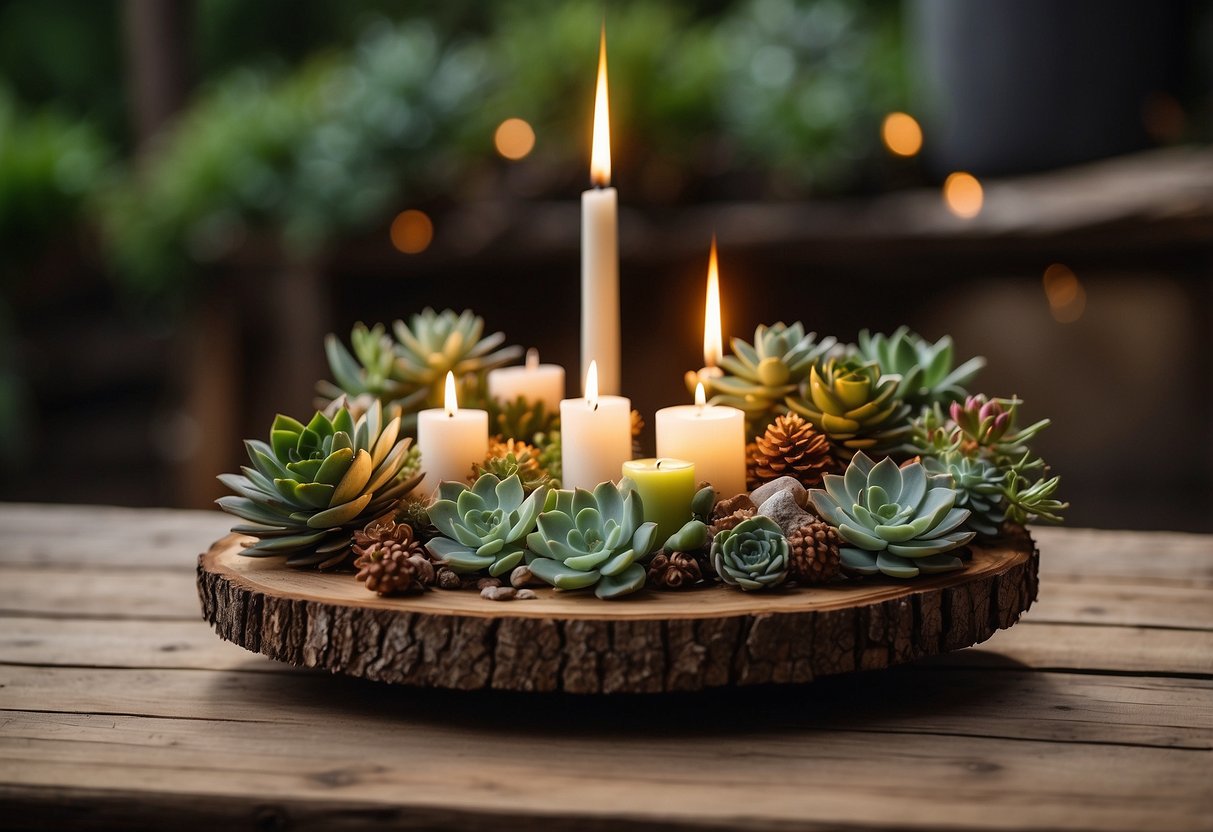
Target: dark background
172 255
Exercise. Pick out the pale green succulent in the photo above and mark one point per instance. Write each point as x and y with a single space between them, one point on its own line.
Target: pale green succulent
979 488
410 371
855 405
1030 501
593 539
760 376
751 555
313 484
899 521
483 526
927 374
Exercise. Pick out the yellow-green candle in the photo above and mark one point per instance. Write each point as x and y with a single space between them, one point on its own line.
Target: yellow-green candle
666 487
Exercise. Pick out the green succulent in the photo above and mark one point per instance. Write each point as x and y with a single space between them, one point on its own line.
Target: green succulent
410 371
855 405
550 458
593 539
482 526
979 488
1031 501
899 521
990 427
522 462
760 376
521 418
927 374
313 484
751 555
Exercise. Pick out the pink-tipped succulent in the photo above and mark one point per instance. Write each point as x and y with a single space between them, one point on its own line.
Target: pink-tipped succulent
990 425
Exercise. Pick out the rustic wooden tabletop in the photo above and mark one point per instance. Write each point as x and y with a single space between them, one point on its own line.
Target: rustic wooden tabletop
120 708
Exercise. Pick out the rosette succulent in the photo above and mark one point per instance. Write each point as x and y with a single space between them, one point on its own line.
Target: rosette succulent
760 376
483 526
410 370
979 488
313 484
899 521
990 427
927 374
593 539
854 404
751 555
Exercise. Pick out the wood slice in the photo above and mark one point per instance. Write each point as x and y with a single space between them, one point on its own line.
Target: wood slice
646 643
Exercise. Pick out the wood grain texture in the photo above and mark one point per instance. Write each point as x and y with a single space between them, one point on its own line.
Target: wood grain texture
119 708
651 643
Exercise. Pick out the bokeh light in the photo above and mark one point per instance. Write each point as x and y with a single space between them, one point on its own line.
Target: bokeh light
902 134
412 231
514 139
963 195
1065 293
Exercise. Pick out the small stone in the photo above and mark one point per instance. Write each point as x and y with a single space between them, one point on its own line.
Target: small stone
447 579
767 490
526 595
498 593
782 508
740 502
521 576
485 583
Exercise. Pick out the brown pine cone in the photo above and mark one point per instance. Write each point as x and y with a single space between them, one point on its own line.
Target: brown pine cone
725 522
751 469
382 530
791 447
813 553
392 568
674 570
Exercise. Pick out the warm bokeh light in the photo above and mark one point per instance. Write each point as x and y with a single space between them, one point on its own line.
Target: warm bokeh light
412 231
514 139
591 386
901 134
713 342
1065 293
963 195
600 153
701 398
450 401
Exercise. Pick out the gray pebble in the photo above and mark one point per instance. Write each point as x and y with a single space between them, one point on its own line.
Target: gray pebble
526 595
521 576
498 593
782 508
767 490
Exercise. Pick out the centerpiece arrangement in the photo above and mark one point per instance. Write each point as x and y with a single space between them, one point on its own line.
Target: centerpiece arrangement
809 475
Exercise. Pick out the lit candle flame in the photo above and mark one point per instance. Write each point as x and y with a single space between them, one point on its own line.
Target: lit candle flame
450 401
713 342
532 359
591 386
700 397
600 153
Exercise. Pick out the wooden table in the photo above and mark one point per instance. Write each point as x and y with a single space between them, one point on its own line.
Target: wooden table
119 707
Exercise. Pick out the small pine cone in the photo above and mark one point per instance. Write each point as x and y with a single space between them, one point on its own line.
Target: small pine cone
725 522
791 447
813 553
751 471
395 568
674 570
382 530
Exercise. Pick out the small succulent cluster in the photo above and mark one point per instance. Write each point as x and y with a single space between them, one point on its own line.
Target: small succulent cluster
513 457
408 367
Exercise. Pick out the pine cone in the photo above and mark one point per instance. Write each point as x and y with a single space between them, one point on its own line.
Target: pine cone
674 570
751 468
392 568
384 529
791 447
813 553
724 522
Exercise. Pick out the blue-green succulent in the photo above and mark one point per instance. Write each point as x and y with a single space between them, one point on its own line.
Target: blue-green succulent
483 527
926 371
751 555
593 539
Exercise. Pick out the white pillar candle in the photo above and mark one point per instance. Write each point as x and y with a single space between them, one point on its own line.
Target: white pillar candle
533 381
711 436
450 440
600 250
595 436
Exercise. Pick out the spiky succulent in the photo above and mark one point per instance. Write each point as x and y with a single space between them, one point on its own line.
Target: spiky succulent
751 555
899 521
1032 501
512 457
593 539
760 376
410 370
855 405
483 526
521 418
313 484
927 374
979 488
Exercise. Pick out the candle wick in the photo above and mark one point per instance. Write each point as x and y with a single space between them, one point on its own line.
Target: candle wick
595 407
658 465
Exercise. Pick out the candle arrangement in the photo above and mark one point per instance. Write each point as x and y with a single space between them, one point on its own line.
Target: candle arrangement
802 461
